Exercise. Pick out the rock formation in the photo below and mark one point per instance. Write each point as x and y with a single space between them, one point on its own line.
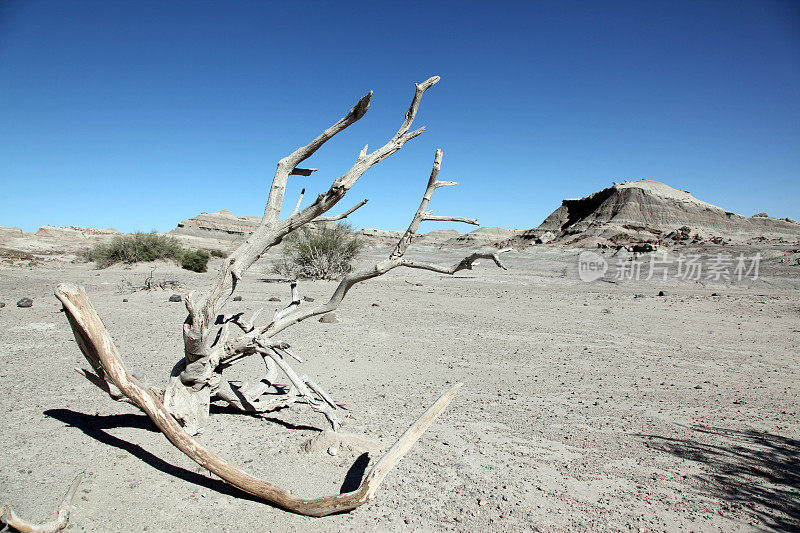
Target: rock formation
650 211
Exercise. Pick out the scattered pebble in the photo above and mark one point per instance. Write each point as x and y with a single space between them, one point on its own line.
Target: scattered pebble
329 318
333 450
274 299
308 299
124 299
638 295
375 305
2 305
663 293
175 298
237 298
25 302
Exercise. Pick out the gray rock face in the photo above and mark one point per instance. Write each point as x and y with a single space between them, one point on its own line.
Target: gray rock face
175 298
25 302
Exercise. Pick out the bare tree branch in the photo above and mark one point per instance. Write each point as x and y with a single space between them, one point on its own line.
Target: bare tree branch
464 264
197 338
9 517
343 215
436 218
300 199
245 343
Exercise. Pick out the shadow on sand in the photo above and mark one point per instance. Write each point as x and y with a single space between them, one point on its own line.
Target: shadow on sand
754 469
95 425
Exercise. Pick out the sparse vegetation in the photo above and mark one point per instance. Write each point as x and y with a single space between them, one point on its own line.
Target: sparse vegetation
325 252
134 248
217 253
195 260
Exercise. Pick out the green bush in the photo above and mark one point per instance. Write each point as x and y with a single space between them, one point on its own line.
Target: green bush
218 253
134 248
319 252
195 260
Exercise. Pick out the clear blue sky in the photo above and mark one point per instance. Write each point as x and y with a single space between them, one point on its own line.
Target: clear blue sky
138 114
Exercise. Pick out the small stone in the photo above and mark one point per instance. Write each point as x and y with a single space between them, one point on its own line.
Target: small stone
274 299
482 502
2 305
175 298
663 293
698 387
375 305
638 295
714 294
330 318
237 298
25 302
333 450
124 299
308 299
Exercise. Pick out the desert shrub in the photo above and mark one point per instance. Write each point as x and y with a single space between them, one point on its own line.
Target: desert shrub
134 248
84 256
195 260
218 253
325 252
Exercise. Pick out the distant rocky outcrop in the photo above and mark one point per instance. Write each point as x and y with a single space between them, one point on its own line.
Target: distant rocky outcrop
224 225
483 236
74 233
220 225
10 233
650 211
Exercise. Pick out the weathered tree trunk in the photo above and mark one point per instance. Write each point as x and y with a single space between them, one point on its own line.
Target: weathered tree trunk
182 410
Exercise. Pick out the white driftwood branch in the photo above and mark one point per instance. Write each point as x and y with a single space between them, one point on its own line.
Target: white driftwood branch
436 218
294 304
8 516
343 215
97 345
199 334
405 240
197 337
464 264
246 343
299 200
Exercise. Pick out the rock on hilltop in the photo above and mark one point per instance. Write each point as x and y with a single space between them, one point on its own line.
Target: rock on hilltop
650 211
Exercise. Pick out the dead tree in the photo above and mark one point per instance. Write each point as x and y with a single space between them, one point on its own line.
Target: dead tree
182 410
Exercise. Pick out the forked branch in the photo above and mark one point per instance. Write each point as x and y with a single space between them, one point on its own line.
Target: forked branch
10 518
246 343
197 337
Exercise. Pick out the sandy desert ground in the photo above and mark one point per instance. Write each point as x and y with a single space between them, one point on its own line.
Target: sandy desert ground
583 408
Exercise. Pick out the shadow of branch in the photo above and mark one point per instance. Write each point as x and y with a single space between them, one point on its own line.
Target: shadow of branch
751 468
